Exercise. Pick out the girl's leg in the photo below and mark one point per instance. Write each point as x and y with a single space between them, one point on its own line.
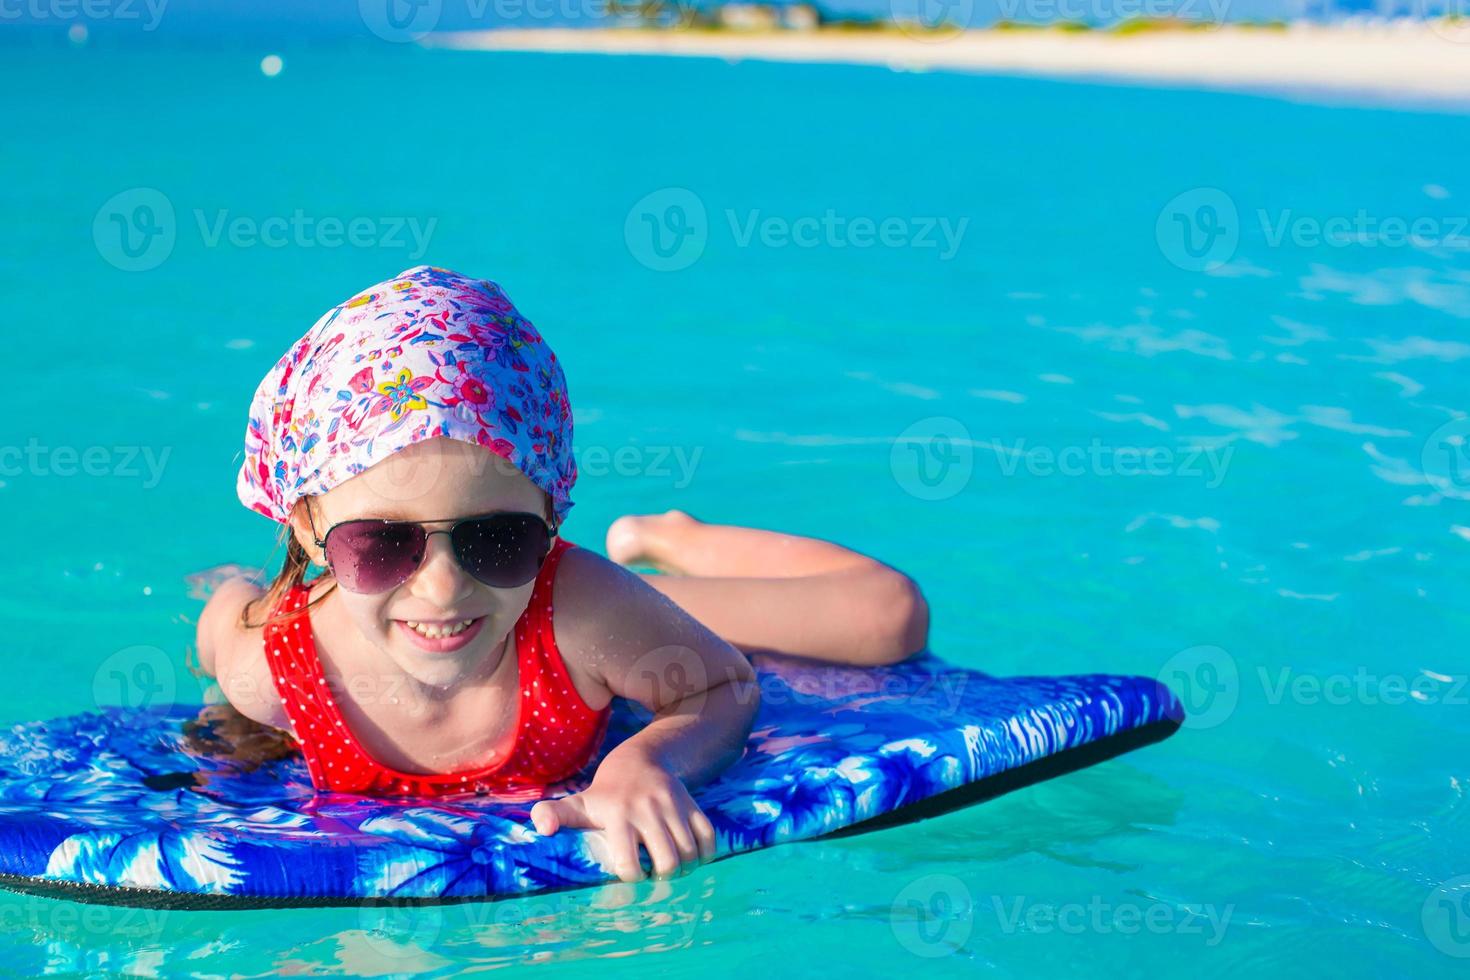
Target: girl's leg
769 591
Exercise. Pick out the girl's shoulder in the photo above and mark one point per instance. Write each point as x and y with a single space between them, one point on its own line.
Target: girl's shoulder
240 664
579 574
610 625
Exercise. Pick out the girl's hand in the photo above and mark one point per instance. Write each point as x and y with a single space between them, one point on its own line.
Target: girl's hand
634 803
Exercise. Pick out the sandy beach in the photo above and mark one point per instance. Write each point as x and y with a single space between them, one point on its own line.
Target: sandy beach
1400 62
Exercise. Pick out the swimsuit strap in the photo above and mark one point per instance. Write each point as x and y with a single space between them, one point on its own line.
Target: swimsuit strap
556 732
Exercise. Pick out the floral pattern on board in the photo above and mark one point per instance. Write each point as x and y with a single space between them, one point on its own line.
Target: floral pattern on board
113 798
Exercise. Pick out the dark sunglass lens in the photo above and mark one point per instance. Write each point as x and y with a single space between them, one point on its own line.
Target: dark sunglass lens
503 551
374 556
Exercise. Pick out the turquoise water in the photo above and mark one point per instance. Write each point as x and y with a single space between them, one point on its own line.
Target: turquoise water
1120 421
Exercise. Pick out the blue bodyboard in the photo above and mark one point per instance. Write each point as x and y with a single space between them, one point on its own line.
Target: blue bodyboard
119 806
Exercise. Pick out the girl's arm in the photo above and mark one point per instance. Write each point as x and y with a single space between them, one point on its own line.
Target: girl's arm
235 656
702 695
217 627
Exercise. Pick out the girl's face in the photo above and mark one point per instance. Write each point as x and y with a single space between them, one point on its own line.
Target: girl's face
431 480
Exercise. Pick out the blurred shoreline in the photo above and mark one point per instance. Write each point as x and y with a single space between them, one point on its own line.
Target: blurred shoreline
1417 61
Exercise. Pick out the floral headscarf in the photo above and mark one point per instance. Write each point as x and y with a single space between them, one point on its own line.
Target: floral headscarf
427 353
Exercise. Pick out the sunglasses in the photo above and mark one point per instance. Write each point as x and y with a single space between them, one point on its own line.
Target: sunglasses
503 550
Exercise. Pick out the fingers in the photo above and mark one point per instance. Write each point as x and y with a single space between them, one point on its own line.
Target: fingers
544 818
656 835
623 845
549 816
683 838
704 834
661 850
674 833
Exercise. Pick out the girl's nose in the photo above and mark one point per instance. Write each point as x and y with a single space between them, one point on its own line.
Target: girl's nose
440 579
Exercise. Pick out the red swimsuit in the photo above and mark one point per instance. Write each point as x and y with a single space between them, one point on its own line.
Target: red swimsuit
556 732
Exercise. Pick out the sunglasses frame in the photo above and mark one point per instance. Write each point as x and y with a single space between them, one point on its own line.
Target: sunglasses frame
454 523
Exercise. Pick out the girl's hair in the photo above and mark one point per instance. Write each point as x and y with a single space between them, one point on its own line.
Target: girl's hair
293 569
292 573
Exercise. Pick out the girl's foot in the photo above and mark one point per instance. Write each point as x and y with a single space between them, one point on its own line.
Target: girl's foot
648 539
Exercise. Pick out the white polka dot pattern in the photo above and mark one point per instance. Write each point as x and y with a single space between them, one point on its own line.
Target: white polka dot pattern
556 733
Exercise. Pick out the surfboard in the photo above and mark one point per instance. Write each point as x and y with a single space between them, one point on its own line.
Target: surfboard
121 806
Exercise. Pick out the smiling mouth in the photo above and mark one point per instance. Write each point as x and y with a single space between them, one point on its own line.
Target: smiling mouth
435 631
441 637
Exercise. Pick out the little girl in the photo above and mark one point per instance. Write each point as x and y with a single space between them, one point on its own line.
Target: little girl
416 446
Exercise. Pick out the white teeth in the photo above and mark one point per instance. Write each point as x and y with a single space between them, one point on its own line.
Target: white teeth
438 632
